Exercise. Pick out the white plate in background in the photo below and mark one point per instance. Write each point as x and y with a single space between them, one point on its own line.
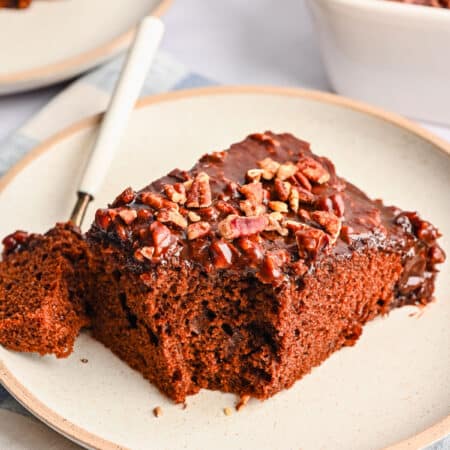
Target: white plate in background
54 40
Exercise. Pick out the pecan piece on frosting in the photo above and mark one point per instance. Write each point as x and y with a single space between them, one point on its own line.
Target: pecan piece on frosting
286 170
156 201
313 170
176 192
253 192
311 241
222 254
172 216
269 167
199 194
125 198
128 215
254 175
198 230
235 226
282 189
329 221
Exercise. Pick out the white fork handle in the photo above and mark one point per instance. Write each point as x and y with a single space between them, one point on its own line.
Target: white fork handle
126 93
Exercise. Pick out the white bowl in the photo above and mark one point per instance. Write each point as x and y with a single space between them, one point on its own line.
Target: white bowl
390 54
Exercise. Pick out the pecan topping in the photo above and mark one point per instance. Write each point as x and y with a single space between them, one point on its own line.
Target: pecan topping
125 198
198 230
282 189
334 204
194 217
271 269
162 237
103 218
251 209
13 241
157 201
172 216
254 175
265 139
269 167
437 255
274 223
278 206
128 215
331 223
236 226
176 192
300 180
294 199
199 194
252 250
313 170
310 242
146 252
286 171
222 254
253 192
305 196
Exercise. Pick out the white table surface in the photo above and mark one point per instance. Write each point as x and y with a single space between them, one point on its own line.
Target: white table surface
232 42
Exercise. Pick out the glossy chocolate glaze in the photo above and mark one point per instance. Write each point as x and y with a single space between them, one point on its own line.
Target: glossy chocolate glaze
271 256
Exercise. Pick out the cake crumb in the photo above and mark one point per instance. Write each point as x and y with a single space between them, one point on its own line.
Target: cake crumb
227 411
157 412
84 360
242 402
184 406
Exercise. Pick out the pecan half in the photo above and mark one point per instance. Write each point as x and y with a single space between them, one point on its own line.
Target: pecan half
313 170
198 230
235 226
199 194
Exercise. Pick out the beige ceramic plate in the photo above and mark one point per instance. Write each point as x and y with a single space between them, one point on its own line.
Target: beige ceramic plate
55 40
392 387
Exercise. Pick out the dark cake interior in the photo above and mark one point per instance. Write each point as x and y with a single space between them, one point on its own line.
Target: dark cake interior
239 275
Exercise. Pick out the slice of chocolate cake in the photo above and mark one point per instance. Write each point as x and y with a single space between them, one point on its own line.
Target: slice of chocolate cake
244 273
42 291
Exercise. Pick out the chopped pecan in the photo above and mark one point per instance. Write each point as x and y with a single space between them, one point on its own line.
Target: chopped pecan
252 250
313 170
121 232
275 220
222 254
305 196
128 215
269 167
253 192
272 267
176 192
236 226
300 180
436 254
294 199
14 241
300 268
286 171
194 217
282 189
251 209
125 198
346 233
304 214
144 253
265 139
144 214
199 195
156 201
329 221
276 206
254 175
334 204
187 184
103 218
172 216
161 235
225 207
198 230
311 241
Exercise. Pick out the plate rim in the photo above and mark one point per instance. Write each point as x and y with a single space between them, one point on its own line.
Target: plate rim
87 58
90 440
